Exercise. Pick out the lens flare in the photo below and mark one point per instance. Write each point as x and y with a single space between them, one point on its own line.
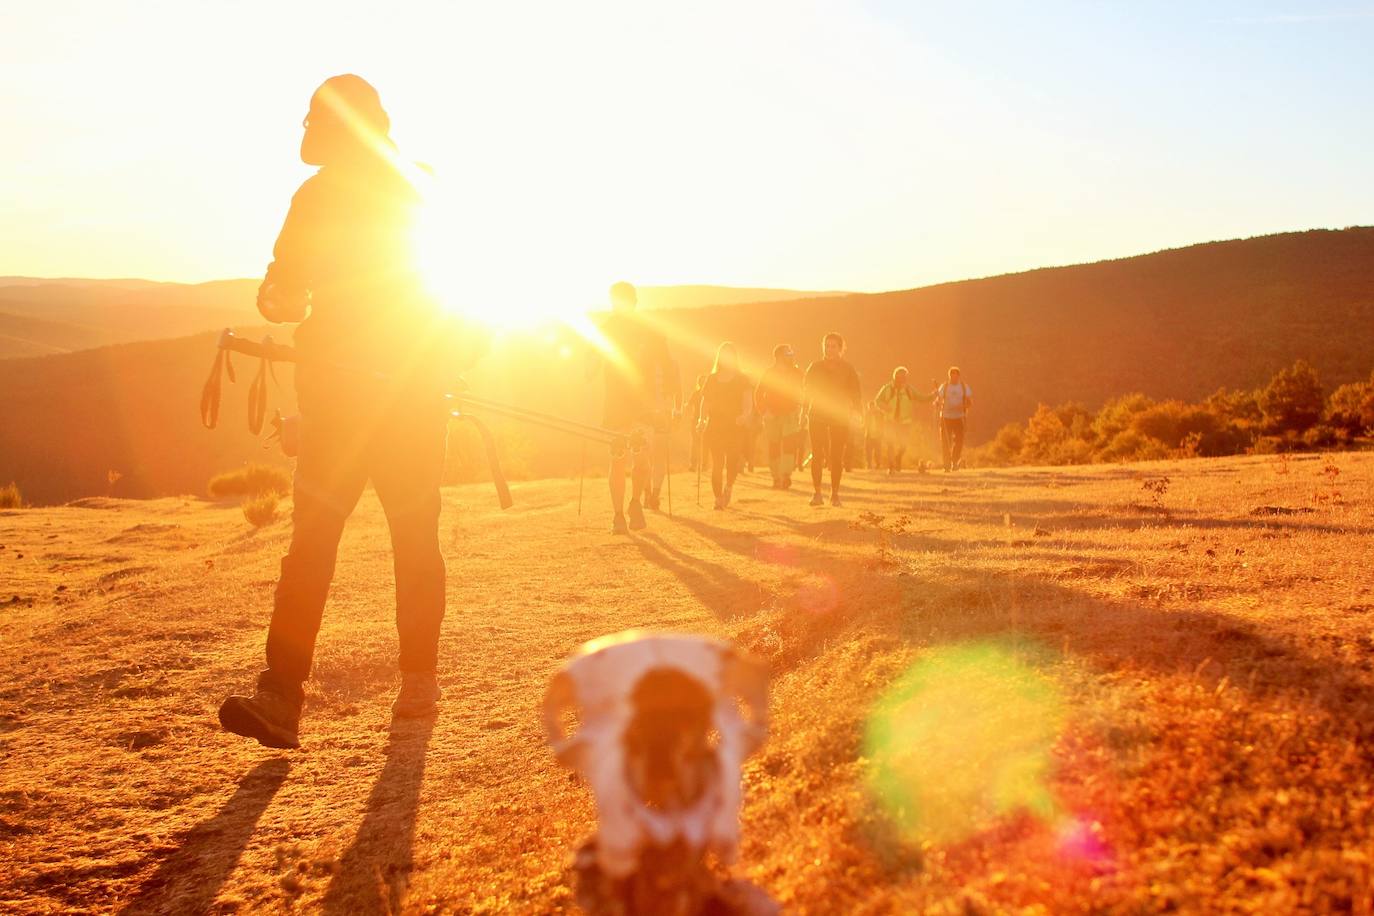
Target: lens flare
963 739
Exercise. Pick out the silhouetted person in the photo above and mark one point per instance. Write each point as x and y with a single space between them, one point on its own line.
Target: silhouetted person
897 401
344 268
834 406
636 372
727 402
953 400
778 403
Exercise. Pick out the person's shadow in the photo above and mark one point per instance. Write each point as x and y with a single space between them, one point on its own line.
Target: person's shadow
190 878
375 870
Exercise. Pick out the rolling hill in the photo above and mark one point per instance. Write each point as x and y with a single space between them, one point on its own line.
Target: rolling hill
40 316
1177 323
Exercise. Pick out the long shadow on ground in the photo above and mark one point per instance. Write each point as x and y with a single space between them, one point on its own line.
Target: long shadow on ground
190 878
375 869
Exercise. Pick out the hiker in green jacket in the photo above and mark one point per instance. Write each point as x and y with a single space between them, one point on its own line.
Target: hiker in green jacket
778 401
897 401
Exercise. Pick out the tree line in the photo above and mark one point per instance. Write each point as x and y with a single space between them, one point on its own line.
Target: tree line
1290 413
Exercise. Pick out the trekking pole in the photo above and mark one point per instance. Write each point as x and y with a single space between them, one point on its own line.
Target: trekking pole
700 460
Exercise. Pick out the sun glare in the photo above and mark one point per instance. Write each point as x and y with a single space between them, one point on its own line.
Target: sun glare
479 273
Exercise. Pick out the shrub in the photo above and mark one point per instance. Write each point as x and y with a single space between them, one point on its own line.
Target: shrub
260 510
10 497
1321 437
1351 407
1293 400
250 480
1117 415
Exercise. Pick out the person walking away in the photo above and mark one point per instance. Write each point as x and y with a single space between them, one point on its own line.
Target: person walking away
726 412
833 405
344 268
897 402
953 399
634 374
778 402
691 410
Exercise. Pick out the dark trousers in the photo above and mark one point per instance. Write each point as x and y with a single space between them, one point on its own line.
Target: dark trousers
343 445
829 446
726 449
952 440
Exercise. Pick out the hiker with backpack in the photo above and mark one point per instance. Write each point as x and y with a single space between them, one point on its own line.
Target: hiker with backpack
344 269
727 410
896 401
778 402
833 409
953 399
636 377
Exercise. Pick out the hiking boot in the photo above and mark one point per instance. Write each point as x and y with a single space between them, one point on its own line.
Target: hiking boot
786 483
637 522
618 525
720 502
818 500
652 501
271 716
419 695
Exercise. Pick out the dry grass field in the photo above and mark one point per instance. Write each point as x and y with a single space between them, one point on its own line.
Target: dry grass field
1029 690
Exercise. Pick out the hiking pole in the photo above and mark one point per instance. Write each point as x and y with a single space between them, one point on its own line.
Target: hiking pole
668 472
581 477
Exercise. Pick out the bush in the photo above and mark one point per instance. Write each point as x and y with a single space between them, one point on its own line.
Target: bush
250 480
260 510
1293 400
10 497
1351 407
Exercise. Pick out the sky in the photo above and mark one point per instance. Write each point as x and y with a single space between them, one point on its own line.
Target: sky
847 146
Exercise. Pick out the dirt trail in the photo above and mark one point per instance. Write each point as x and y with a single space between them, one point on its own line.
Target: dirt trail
1200 640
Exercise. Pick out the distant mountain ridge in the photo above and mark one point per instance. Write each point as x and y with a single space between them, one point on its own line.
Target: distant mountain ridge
1178 323
43 316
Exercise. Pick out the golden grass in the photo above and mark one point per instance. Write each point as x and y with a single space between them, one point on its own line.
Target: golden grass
251 480
10 497
1210 650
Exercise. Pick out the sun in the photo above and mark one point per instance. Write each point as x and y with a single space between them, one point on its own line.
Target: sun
498 274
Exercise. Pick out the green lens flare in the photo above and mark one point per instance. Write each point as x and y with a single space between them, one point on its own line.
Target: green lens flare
962 739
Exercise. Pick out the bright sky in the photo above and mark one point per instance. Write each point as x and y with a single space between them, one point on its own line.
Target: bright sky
860 146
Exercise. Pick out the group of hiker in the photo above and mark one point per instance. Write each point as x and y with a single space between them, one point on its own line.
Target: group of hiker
342 271
816 419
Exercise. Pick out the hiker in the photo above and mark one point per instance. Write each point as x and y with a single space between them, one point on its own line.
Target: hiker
664 420
635 384
873 435
833 407
778 402
343 268
691 410
727 410
897 402
953 400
